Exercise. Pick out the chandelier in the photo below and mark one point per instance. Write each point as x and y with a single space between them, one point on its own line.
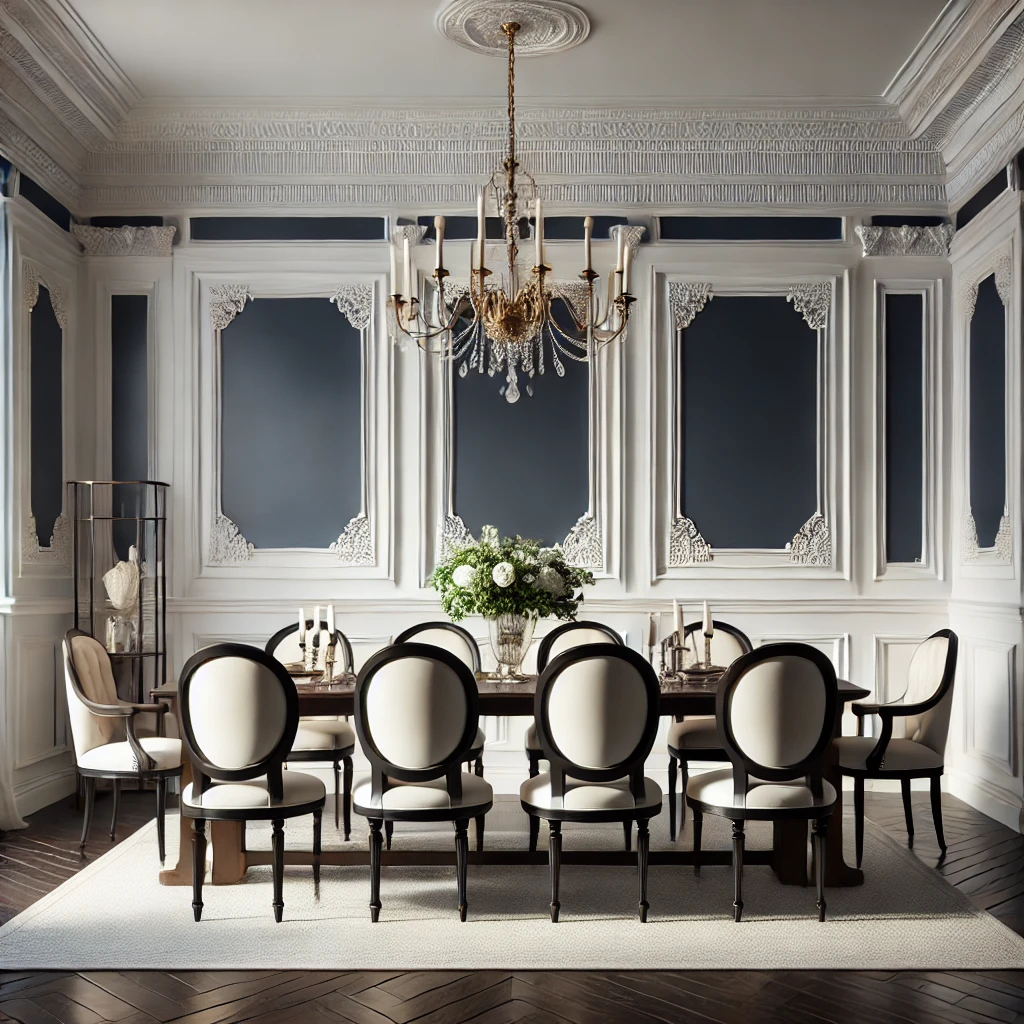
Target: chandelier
505 325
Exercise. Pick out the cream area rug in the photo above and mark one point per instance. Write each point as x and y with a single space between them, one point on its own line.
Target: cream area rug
115 914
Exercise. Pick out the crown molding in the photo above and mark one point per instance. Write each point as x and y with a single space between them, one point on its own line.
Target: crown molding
851 156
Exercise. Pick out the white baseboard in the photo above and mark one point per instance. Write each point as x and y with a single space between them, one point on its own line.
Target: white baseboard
1004 807
44 790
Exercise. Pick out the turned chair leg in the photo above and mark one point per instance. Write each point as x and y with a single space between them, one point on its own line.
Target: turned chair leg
698 827
555 864
198 865
161 807
936 794
389 830
737 868
480 833
277 844
346 799
317 825
643 846
90 802
534 833
627 832
858 817
461 861
116 807
819 831
672 768
908 811
337 793
375 844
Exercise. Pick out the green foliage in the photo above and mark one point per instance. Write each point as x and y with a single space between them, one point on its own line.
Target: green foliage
541 582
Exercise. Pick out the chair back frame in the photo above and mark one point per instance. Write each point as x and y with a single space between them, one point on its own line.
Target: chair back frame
341 640
270 765
697 628
631 766
409 636
887 712
451 768
548 640
743 766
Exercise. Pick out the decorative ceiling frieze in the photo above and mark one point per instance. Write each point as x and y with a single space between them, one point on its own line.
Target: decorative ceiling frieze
906 240
125 241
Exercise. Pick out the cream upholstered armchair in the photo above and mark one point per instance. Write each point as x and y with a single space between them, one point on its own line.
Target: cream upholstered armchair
775 711
109 741
596 709
239 715
416 712
695 737
326 738
925 709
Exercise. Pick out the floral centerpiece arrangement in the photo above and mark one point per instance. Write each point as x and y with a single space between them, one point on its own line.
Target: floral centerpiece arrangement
511 582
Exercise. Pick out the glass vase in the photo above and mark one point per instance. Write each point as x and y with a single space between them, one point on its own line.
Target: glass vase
510 636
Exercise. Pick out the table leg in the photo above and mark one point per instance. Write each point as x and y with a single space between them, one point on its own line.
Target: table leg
837 871
181 873
228 852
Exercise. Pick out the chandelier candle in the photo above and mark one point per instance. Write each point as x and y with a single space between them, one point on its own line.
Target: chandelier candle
439 231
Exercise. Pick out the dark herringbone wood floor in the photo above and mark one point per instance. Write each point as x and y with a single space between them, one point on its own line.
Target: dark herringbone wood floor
985 860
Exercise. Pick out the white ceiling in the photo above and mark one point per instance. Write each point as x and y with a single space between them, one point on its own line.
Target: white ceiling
682 51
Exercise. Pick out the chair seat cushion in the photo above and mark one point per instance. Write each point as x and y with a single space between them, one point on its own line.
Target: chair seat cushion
598 797
532 740
119 757
422 796
900 755
478 744
323 735
697 731
299 789
714 789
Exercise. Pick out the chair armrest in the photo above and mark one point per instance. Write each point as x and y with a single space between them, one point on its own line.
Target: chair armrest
861 708
146 709
107 710
146 763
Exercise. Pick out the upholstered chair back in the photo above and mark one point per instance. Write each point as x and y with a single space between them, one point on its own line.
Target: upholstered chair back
449 636
932 672
239 711
284 646
573 634
776 711
88 675
727 643
596 709
416 711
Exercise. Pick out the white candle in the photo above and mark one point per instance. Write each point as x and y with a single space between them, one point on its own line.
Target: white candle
539 226
677 615
588 233
481 223
330 619
627 256
316 621
709 626
302 625
620 247
439 231
407 252
395 285
481 263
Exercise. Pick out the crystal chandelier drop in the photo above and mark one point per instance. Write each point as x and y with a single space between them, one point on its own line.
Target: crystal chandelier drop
505 325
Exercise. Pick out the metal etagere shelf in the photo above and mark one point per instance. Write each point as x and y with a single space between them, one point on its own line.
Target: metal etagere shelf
119 541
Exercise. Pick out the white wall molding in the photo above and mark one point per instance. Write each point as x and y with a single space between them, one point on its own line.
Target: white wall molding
906 240
125 241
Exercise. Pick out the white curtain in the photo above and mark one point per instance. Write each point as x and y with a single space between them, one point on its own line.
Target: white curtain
9 817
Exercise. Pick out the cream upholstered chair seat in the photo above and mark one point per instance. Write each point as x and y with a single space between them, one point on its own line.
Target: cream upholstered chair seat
327 738
715 789
317 735
694 731
119 757
579 796
430 795
900 755
300 790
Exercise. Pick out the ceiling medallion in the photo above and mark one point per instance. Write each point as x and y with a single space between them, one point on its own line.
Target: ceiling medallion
546 26
505 326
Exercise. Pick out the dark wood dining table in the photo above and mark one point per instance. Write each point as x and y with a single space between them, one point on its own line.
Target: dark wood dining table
788 857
